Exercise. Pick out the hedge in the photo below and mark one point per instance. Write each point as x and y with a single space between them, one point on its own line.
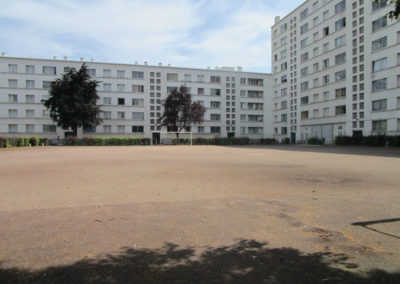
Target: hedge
214 141
105 141
22 142
371 140
315 141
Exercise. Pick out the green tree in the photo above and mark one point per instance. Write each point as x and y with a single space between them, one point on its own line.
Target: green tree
393 14
73 101
180 112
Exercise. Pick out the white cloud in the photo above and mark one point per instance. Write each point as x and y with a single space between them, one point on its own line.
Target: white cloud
181 32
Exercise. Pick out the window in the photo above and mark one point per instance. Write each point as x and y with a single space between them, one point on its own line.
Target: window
214 116
304 100
12 113
284 28
137 102
13 128
137 115
120 115
340 75
92 72
340 7
121 128
106 101
304 115
284 105
283 117
121 88
29 113
325 79
304 28
106 73
340 24
304 71
12 68
379 105
49 128
107 87
339 110
107 128
200 78
137 129
173 77
304 42
139 75
340 58
89 129
379 23
325 47
49 70
215 129
340 41
378 5
283 53
187 77
30 128
255 130
46 84
215 79
379 64
30 99
30 69
304 57
121 101
283 40
12 98
242 117
325 15
284 79
200 91
325 31
378 85
340 93
30 84
120 74
137 88
379 43
215 92
379 125
106 114
304 14
214 104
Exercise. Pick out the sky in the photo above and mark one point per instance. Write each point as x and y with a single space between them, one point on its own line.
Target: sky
184 33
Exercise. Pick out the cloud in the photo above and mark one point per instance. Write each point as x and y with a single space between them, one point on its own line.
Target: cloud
181 32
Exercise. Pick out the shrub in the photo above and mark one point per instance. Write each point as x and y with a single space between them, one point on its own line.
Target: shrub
33 141
268 141
315 141
286 140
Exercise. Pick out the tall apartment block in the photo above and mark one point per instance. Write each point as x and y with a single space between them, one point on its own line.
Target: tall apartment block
336 70
237 103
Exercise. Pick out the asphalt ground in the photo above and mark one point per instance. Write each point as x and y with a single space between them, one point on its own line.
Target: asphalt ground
196 214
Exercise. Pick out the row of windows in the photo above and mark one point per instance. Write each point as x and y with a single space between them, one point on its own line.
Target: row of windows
31 128
29 84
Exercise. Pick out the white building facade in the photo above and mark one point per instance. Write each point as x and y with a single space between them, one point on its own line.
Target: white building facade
336 70
237 103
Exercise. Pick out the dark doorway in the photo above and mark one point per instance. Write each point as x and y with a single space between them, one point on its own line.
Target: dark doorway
156 138
293 137
231 134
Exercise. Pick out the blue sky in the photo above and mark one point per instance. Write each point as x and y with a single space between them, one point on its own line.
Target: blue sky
185 33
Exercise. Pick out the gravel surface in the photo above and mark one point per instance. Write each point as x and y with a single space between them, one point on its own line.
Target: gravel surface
335 209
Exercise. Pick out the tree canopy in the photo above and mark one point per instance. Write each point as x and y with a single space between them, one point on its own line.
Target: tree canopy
73 101
394 14
180 112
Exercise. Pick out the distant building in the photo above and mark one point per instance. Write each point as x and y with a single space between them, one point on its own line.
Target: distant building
237 103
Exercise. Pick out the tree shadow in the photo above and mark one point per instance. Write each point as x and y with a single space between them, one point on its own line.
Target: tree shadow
247 261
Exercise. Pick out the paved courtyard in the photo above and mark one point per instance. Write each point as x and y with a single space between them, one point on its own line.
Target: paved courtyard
199 214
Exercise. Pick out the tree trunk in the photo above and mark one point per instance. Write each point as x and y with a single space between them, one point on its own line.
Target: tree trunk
177 137
74 131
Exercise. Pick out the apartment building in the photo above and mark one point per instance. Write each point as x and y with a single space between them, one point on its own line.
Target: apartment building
237 103
336 70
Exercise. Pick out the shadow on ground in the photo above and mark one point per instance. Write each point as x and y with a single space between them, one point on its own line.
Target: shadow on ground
392 152
247 261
